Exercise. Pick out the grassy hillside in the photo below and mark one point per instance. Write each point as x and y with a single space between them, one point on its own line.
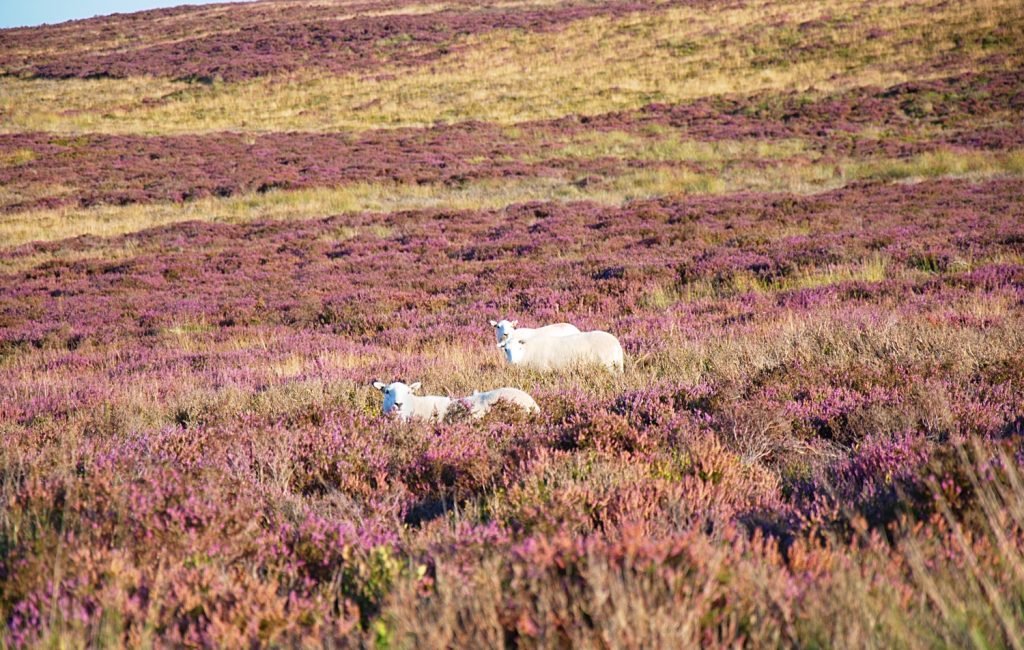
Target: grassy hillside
803 220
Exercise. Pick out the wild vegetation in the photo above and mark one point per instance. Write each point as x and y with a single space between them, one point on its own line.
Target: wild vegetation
220 225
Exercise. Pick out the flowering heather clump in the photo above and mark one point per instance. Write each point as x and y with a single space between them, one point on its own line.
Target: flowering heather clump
128 169
817 437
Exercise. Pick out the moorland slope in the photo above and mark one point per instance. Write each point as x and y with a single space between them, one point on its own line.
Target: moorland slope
803 220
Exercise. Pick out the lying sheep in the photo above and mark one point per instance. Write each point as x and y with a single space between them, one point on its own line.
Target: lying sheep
400 400
557 352
479 403
506 328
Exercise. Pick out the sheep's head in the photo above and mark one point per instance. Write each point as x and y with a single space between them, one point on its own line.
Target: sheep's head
504 328
514 348
396 394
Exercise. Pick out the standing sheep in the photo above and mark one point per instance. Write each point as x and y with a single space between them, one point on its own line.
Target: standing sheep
400 400
557 352
504 329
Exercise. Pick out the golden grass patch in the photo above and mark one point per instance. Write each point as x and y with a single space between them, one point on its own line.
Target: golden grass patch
17 157
77 105
12 195
109 220
944 163
592 66
871 269
61 223
663 145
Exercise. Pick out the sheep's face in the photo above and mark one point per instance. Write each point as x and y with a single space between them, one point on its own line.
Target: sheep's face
514 349
396 396
504 328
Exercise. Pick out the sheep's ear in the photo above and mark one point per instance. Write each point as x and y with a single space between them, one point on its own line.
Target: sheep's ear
494 323
414 387
515 323
379 385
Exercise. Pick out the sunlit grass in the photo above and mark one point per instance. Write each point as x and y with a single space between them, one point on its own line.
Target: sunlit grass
11 195
108 220
940 163
592 66
662 145
17 157
871 269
